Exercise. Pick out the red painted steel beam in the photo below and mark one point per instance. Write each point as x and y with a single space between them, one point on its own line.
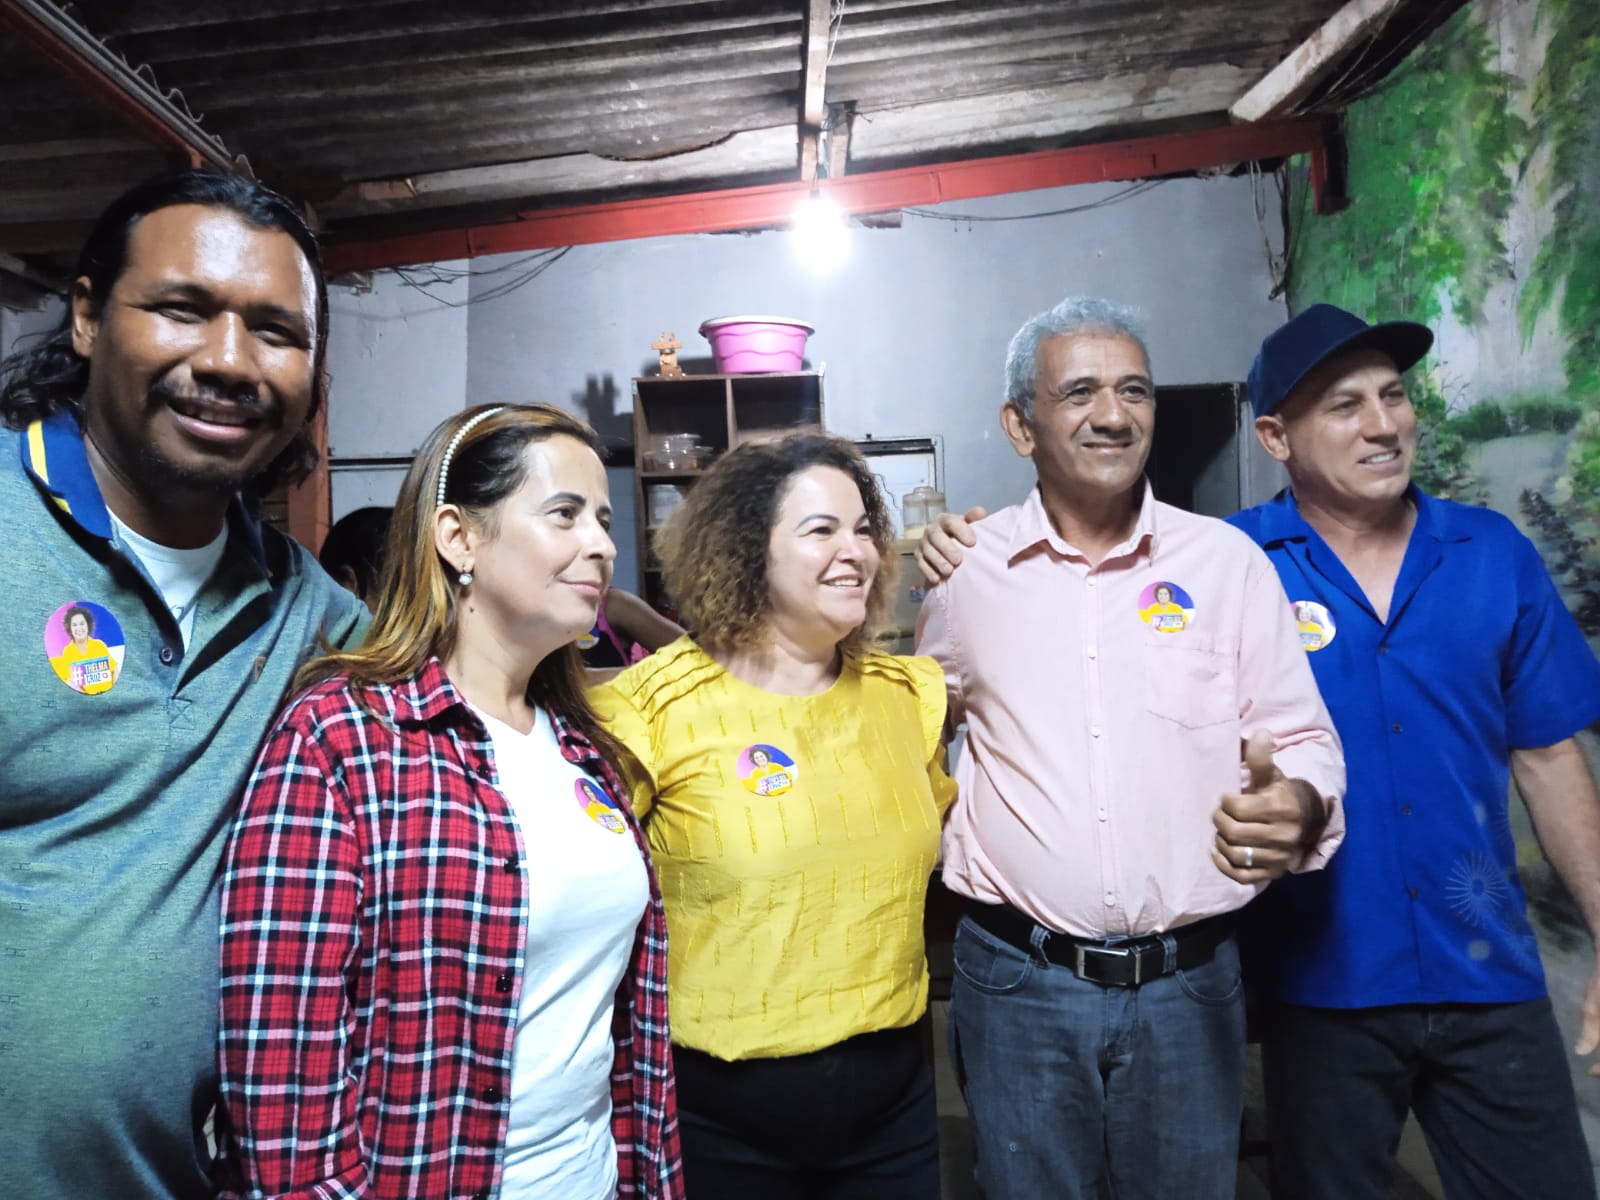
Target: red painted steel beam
872 191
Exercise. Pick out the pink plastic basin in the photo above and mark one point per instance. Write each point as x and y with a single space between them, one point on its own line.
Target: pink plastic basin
756 345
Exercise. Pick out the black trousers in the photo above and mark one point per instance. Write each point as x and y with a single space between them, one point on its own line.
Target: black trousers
1491 1085
855 1121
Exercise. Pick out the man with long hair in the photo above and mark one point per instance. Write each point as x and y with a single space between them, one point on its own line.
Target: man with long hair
180 381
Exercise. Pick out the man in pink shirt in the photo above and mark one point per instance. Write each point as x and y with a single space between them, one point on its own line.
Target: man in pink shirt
1146 750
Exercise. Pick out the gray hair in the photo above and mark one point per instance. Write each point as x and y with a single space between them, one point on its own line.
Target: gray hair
1075 314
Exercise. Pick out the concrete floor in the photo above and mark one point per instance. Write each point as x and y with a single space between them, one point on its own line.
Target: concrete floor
1415 1178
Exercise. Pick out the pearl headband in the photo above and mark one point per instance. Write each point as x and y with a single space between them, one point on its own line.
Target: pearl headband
450 450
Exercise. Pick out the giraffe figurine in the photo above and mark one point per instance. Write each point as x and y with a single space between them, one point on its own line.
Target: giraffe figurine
668 345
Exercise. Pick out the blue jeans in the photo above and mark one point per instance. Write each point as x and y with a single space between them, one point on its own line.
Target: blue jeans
1490 1085
1070 1083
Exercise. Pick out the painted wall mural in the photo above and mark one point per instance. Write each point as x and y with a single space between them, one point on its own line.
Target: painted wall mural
1474 174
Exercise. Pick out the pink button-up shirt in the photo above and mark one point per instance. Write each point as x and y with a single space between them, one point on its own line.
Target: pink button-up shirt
1105 717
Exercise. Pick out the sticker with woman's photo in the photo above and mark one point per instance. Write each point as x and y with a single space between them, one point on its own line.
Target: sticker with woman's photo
598 807
766 770
1314 623
1166 607
85 646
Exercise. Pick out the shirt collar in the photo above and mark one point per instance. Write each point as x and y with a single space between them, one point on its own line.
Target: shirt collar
1033 526
1281 520
54 454
427 695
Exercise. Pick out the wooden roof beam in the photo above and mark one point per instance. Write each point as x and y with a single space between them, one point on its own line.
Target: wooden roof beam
819 19
1312 60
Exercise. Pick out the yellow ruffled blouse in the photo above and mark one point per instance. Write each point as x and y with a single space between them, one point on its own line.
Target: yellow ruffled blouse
794 837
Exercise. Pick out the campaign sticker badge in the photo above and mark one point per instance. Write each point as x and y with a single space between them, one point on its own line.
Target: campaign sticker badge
85 646
1166 607
1314 623
598 807
766 770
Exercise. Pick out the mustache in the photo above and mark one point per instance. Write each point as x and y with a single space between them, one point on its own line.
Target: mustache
242 395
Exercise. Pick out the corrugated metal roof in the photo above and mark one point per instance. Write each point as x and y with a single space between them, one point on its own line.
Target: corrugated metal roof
423 113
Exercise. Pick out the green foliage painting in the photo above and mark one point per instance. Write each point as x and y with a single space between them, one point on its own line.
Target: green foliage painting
1433 155
1566 110
1438 157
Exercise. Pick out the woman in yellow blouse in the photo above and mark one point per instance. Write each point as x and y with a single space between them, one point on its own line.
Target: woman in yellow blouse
793 784
97 669
1164 614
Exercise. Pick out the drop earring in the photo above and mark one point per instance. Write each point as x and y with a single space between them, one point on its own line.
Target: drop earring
465 578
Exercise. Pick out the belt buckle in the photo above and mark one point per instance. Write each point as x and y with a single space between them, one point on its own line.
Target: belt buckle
1080 959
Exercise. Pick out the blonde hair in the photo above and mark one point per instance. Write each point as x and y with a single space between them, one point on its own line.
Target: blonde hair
416 612
713 548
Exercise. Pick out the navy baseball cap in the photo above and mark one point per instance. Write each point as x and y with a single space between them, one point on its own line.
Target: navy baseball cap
1305 342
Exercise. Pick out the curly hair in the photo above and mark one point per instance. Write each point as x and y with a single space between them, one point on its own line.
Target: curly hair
713 548
77 610
51 376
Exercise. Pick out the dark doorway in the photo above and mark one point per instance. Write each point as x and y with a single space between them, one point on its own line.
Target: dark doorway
1194 462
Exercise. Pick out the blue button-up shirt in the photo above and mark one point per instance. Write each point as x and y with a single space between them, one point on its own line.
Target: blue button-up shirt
1479 657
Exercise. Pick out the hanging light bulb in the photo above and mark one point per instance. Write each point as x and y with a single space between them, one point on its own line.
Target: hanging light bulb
821 233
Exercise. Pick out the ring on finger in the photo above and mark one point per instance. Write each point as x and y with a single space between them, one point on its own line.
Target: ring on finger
1249 857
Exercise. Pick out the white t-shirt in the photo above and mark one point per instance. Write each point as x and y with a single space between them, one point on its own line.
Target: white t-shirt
587 889
178 574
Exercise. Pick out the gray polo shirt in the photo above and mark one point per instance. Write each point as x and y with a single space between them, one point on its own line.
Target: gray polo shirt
122 757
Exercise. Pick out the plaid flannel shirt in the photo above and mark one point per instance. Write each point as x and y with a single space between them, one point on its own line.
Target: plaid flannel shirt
374 926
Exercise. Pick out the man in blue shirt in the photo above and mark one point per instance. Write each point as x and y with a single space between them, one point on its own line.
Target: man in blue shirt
1405 975
150 628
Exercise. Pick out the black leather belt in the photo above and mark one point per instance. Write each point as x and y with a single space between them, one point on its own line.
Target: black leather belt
1125 963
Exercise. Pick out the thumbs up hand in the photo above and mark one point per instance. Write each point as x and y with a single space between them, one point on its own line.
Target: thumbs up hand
1262 831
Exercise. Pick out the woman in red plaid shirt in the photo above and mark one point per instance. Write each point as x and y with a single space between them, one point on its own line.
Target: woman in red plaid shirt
443 949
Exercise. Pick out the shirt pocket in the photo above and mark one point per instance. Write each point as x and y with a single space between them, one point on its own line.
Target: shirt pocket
1190 680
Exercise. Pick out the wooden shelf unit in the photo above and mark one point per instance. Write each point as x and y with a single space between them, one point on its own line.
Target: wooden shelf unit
719 410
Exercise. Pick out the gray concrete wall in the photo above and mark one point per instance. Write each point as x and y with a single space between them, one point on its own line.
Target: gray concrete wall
912 330
19 328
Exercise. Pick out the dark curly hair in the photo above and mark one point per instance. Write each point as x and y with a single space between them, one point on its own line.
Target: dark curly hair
77 610
51 376
713 548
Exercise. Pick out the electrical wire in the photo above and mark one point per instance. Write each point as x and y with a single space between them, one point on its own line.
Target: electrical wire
421 279
1385 69
1277 263
1356 59
1127 193
835 23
